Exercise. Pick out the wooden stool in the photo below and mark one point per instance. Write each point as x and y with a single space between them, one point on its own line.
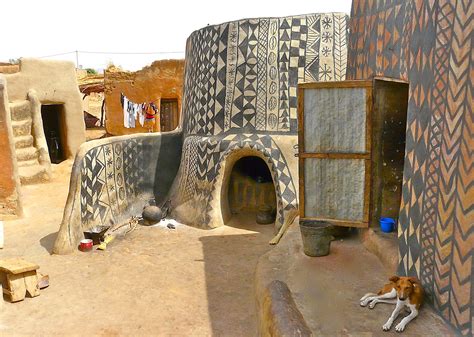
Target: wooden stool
17 277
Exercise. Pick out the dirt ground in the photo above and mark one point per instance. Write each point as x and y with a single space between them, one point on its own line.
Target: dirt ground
156 281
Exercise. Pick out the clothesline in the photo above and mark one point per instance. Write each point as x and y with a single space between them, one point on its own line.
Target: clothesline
145 113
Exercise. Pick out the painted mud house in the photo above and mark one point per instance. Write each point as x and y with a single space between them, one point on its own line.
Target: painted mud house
160 83
42 122
229 115
429 44
231 122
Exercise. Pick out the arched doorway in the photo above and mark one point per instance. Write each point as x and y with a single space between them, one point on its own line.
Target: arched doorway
247 188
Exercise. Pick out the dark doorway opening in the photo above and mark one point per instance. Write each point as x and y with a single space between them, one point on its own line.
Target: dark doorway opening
54 131
389 124
169 114
250 188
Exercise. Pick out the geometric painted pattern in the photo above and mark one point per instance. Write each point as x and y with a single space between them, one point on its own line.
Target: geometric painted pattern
209 152
111 177
242 76
429 44
240 89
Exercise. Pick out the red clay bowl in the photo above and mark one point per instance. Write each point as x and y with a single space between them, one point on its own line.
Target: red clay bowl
86 245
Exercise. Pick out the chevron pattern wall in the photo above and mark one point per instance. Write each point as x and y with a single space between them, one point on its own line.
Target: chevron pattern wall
430 44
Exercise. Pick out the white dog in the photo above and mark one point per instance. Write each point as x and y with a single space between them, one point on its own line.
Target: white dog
401 291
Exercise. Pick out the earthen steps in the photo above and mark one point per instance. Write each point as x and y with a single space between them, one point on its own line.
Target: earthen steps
31 162
21 128
23 141
20 110
32 174
27 153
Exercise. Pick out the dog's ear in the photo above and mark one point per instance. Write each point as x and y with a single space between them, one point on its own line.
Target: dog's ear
413 280
394 278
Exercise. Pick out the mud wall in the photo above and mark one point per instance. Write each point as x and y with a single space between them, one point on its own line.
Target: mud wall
240 94
9 68
222 63
10 199
55 83
162 79
113 178
429 44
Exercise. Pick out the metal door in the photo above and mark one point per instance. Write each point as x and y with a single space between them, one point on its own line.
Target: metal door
335 151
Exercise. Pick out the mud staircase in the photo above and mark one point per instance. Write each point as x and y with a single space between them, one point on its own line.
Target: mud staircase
30 170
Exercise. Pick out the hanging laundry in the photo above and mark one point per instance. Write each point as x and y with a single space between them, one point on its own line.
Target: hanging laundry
125 102
132 111
141 115
131 114
150 111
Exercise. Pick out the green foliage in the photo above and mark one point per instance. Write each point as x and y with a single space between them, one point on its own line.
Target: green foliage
91 71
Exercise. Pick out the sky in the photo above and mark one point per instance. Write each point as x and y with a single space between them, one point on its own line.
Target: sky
99 28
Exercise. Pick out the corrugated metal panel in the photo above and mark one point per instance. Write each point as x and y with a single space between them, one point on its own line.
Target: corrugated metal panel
334 188
335 120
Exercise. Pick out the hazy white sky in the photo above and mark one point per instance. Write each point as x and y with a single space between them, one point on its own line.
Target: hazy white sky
39 28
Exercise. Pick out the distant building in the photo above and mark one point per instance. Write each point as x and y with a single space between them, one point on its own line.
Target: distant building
160 83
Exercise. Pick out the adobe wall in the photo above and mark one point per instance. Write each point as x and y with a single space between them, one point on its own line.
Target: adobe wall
162 79
429 44
55 83
241 95
10 203
9 68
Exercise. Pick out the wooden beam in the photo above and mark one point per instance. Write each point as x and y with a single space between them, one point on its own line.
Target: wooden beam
335 155
343 223
339 84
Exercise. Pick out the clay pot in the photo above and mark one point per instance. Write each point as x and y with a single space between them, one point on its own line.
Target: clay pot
152 214
265 215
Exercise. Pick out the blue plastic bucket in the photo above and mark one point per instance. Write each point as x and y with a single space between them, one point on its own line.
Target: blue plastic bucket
387 225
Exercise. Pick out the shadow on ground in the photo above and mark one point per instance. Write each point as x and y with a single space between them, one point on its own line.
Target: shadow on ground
47 242
230 262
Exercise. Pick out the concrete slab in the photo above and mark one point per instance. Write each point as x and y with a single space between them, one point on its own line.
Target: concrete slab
383 245
327 289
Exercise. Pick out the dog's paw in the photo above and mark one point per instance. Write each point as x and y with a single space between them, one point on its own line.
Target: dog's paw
400 327
364 302
372 304
387 326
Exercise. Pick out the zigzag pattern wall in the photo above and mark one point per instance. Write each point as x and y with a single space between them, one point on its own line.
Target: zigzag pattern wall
430 44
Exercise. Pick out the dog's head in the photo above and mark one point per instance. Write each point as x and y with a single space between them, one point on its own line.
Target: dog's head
404 286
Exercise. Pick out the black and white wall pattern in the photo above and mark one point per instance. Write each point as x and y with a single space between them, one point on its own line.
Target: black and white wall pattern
111 176
242 75
240 88
240 93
